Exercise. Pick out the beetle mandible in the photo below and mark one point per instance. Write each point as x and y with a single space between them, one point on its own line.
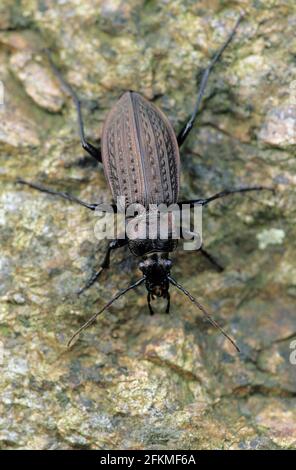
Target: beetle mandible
144 174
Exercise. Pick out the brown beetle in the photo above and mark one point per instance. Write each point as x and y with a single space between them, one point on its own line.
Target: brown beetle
140 155
140 152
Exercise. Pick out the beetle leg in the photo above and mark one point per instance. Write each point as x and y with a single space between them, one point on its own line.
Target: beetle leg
149 304
226 192
167 310
93 151
188 126
201 250
212 260
63 195
113 245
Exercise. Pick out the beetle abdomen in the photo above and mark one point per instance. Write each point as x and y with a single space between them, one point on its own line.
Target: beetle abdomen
140 152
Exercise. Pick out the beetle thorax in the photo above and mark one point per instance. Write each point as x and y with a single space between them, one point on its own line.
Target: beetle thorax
146 247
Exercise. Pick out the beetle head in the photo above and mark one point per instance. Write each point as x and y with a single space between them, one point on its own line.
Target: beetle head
156 275
156 269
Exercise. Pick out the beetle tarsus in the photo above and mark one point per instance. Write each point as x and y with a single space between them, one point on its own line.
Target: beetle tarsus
93 151
167 310
188 126
63 195
212 260
113 245
151 311
226 192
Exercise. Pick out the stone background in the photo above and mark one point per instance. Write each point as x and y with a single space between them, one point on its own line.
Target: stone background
135 381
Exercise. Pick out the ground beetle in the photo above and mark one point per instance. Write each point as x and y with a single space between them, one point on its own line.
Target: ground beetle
140 155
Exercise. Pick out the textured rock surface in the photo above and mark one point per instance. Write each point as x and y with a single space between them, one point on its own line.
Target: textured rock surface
135 381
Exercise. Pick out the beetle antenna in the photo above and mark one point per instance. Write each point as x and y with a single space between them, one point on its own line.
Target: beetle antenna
93 318
203 310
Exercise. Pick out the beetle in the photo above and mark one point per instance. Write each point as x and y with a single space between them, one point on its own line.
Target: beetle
141 161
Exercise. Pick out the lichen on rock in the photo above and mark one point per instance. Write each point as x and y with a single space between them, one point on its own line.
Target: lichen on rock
133 381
